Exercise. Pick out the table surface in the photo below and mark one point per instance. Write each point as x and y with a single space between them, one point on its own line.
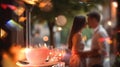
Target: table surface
46 64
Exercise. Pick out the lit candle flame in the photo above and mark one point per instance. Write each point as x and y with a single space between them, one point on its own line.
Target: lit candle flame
45 45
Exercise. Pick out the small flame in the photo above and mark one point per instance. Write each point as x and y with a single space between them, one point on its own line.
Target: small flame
45 45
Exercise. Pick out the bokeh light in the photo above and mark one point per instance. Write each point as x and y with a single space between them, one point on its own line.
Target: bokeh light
3 33
45 38
115 4
12 24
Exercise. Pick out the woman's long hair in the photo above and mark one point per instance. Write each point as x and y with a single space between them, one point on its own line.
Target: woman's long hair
78 24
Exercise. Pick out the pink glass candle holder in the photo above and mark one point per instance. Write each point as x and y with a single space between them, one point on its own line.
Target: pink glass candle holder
37 55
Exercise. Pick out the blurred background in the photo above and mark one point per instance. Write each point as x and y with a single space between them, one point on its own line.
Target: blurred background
34 22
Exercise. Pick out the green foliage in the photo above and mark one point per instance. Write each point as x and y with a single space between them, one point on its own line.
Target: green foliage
64 7
66 30
103 2
117 61
69 8
87 32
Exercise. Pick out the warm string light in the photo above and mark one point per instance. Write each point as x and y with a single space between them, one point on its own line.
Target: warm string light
32 2
3 33
45 38
115 4
19 11
109 23
22 19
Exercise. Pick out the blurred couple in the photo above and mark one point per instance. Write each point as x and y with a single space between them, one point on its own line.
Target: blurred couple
99 46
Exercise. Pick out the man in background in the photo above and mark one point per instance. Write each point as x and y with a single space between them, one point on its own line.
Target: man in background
99 53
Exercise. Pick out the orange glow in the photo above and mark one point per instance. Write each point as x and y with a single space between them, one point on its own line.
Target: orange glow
15 49
50 52
42 4
45 5
105 39
22 19
60 54
16 53
45 38
32 2
109 40
84 38
2 33
114 6
19 11
21 54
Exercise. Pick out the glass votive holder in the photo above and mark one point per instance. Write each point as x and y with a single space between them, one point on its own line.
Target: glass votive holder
60 64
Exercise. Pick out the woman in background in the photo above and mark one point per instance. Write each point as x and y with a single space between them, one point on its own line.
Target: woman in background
76 45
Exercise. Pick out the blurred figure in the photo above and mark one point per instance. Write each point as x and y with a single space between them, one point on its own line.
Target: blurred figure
99 54
36 40
9 51
75 42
